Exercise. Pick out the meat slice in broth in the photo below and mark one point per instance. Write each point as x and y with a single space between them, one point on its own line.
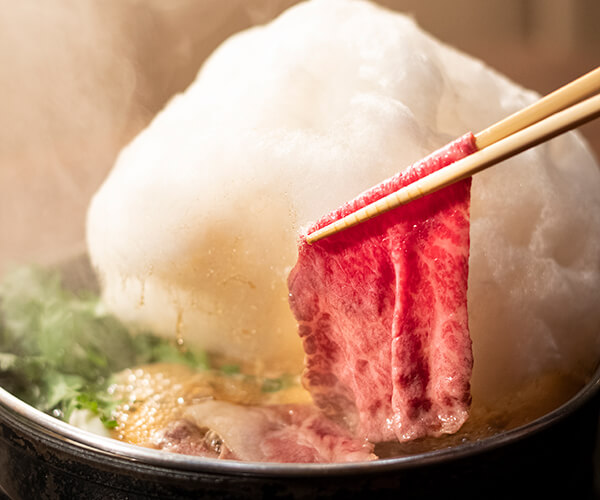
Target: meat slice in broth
175 408
382 310
278 433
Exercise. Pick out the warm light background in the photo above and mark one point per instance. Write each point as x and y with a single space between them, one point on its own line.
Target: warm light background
79 78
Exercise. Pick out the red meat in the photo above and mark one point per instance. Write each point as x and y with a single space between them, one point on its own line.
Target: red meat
277 433
382 310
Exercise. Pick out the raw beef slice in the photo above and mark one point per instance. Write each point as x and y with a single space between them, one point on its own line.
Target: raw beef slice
382 310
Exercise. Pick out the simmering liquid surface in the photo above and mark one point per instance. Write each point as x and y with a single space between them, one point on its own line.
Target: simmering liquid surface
531 402
155 395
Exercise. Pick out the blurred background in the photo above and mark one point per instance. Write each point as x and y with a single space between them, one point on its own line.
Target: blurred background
79 78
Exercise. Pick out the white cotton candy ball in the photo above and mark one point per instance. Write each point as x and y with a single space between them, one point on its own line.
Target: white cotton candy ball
194 231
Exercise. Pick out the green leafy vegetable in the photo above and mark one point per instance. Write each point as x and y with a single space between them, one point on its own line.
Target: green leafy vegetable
277 384
59 350
230 369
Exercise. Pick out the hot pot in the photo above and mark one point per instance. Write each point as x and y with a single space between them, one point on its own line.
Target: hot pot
555 456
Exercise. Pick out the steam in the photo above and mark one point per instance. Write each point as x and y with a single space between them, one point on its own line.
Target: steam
78 79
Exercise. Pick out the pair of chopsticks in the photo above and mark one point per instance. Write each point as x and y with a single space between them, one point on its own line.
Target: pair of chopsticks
558 112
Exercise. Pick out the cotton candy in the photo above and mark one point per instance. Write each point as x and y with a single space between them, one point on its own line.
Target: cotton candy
194 231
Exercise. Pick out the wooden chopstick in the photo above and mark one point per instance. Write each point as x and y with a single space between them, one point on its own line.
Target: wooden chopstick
509 137
558 100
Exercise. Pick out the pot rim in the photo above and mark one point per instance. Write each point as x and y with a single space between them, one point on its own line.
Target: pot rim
187 463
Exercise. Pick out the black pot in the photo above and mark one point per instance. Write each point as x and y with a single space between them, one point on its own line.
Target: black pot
555 456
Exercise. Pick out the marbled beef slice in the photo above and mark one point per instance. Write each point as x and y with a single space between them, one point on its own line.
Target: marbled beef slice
382 310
